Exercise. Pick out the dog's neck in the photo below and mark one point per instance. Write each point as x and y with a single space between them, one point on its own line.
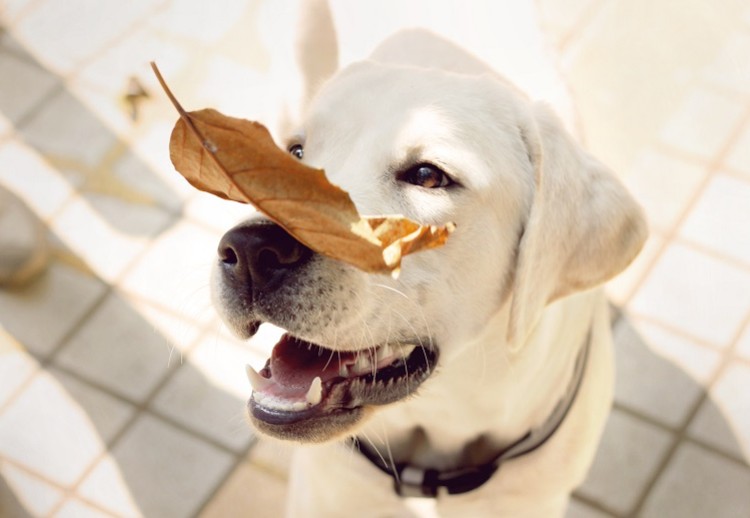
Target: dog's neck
486 398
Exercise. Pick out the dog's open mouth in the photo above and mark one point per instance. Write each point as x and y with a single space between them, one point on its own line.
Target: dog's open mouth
304 382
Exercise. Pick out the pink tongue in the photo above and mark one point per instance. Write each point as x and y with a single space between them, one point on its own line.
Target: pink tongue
294 367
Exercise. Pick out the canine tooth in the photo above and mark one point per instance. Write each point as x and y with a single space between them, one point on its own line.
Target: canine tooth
405 350
315 392
299 405
257 382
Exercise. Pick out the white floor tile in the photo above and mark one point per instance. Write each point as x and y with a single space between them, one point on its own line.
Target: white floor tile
743 346
12 9
69 134
209 392
664 186
720 219
559 19
22 85
32 178
621 287
175 271
658 373
623 466
703 296
739 155
220 215
702 123
16 365
74 508
58 426
700 483
151 145
127 346
64 35
729 428
22 494
5 127
200 21
578 509
731 70
41 314
241 492
155 470
120 230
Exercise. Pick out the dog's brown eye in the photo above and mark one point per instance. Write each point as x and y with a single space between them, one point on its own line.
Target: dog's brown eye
297 151
427 176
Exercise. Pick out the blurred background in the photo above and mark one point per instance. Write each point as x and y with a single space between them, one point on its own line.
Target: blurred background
122 395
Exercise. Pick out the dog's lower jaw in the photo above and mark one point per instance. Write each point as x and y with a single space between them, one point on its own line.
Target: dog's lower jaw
321 429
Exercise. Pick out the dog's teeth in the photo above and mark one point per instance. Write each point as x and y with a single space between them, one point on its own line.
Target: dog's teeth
315 392
362 364
405 350
384 351
343 371
257 382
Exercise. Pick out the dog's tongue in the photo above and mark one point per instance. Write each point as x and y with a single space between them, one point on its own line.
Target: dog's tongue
294 364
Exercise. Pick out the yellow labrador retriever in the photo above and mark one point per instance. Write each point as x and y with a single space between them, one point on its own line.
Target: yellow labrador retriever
481 378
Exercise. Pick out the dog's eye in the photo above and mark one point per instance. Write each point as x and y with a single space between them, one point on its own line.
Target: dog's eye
427 176
297 151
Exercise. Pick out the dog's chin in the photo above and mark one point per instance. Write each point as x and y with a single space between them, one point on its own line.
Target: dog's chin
309 393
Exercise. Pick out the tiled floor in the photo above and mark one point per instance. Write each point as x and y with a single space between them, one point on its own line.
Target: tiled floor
116 380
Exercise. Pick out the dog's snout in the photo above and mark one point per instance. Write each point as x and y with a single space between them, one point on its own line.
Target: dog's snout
258 254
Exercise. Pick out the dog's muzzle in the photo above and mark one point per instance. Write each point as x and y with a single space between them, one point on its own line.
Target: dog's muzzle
306 391
257 256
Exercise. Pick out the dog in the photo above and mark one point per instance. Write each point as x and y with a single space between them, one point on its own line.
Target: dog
481 377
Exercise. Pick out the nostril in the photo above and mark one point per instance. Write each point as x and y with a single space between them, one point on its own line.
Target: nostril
259 254
267 260
228 256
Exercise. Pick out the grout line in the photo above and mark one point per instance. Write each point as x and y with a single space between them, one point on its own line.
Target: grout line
240 458
682 434
142 408
702 342
641 416
708 448
65 494
595 504
670 235
735 173
713 253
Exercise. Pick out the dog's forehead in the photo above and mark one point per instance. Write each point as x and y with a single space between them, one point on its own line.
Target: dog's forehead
389 115
369 91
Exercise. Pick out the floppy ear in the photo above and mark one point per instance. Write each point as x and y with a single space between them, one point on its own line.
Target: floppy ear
583 229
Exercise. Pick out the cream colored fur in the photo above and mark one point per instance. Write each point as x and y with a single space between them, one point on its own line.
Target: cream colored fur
508 301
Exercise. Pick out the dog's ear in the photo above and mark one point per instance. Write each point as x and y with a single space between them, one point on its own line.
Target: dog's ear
316 47
583 228
301 38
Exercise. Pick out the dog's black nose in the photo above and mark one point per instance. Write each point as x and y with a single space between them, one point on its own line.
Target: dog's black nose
259 254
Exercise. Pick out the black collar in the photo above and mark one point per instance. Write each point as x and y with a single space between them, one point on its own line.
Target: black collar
413 481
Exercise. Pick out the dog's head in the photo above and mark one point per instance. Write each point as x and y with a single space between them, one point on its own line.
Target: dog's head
536 219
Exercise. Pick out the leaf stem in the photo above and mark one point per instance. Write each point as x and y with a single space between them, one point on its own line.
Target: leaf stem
167 91
185 116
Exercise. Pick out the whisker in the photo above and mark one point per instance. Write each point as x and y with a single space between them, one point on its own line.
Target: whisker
330 357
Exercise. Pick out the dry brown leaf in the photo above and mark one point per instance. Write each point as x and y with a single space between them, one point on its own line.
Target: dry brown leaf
237 160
